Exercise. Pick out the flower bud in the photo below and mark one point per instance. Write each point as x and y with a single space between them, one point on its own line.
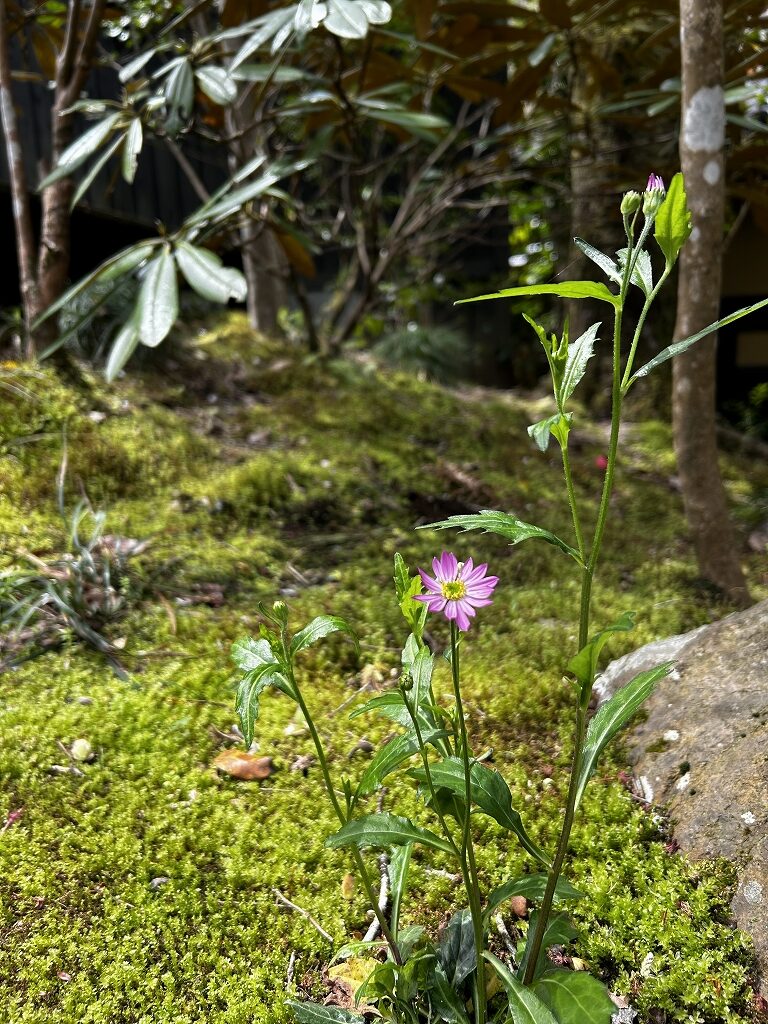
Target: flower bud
653 196
630 203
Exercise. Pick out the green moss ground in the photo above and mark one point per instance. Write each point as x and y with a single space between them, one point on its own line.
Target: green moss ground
301 481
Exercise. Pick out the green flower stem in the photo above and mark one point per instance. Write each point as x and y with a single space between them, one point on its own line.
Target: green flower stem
473 889
639 328
356 855
430 784
586 597
572 502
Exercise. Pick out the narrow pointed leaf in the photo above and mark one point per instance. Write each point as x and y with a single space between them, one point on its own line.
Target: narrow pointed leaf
319 627
134 140
383 830
346 18
123 347
584 664
566 290
558 932
314 1013
612 716
158 300
265 29
673 221
133 67
391 756
575 997
81 149
506 525
392 705
532 887
681 346
204 272
216 84
489 792
399 866
93 171
579 354
457 948
605 263
445 1000
525 1007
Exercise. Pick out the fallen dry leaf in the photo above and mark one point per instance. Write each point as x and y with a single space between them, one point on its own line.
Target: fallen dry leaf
243 766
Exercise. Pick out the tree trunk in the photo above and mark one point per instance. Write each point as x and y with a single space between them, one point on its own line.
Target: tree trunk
22 215
693 386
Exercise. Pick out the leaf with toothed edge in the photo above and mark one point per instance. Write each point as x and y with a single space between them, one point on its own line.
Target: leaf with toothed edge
505 525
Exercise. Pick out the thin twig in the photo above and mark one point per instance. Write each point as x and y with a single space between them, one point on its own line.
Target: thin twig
383 903
506 938
304 913
290 972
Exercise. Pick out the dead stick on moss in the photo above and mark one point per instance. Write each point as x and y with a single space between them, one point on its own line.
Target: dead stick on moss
375 926
290 972
304 913
506 938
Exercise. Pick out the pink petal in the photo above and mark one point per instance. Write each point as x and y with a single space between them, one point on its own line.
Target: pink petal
466 569
429 583
437 569
477 573
478 602
462 621
449 565
451 608
434 602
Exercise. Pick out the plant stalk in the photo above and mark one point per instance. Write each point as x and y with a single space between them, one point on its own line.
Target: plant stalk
356 855
473 889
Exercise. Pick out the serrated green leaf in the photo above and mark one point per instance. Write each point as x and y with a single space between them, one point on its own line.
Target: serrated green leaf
566 290
525 1007
541 432
383 830
575 997
613 715
248 654
490 793
681 346
530 886
642 272
605 263
314 1013
249 691
158 304
579 354
204 272
320 627
673 221
505 525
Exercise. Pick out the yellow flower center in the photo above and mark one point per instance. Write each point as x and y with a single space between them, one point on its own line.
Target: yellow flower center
454 591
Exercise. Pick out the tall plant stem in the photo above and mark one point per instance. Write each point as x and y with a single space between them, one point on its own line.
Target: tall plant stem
356 855
572 502
586 598
473 889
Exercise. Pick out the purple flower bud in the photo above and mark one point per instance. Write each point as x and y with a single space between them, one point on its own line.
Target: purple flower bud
655 184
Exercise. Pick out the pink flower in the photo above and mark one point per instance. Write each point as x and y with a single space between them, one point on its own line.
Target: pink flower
457 589
655 184
601 462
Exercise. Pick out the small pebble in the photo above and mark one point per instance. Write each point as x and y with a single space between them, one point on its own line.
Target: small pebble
159 882
748 818
671 735
518 905
683 783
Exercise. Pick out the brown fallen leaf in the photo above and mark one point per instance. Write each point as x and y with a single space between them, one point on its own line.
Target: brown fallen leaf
241 765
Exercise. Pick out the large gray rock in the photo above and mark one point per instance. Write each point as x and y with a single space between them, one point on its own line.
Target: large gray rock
703 751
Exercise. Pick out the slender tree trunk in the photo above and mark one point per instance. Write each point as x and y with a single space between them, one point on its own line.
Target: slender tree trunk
22 215
693 387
